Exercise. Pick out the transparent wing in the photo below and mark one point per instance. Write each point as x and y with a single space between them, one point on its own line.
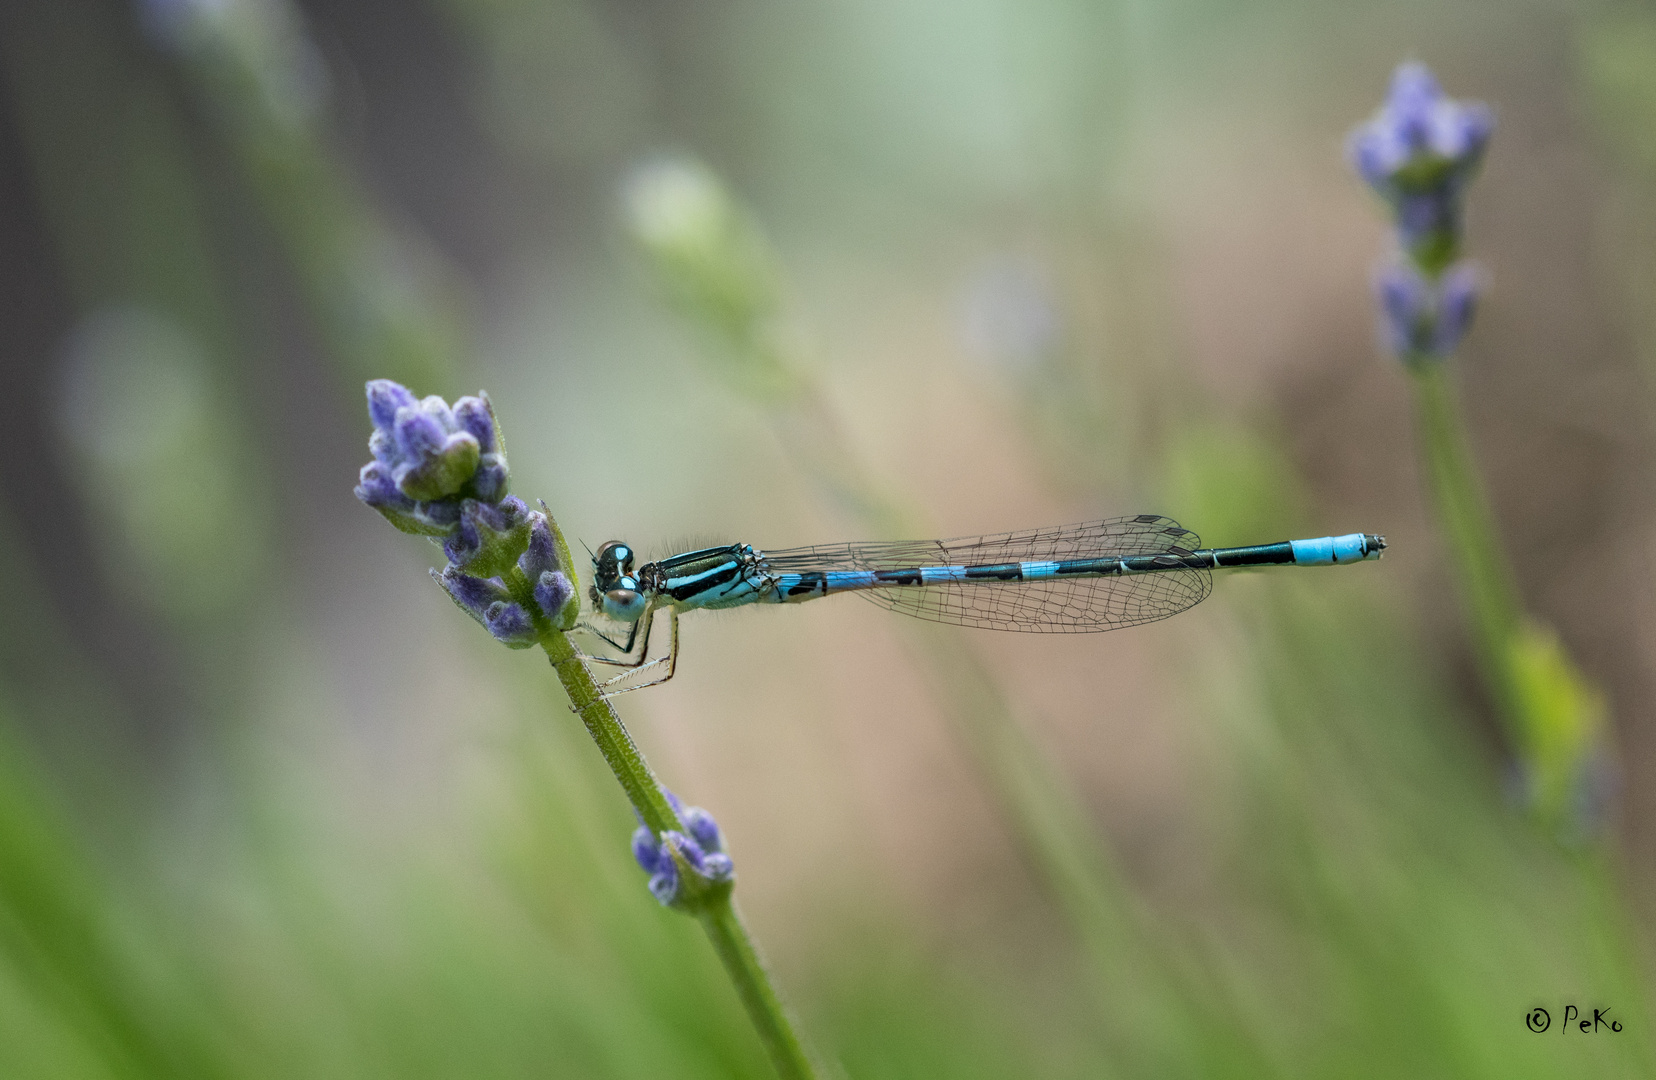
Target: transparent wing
1071 605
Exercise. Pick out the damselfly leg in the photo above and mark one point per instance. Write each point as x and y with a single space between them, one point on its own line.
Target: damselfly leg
670 660
625 648
640 639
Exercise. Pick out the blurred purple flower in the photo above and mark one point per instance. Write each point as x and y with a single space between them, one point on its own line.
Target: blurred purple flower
1422 319
1419 152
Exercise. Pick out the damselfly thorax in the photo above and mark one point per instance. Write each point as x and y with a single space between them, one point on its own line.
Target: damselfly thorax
1099 575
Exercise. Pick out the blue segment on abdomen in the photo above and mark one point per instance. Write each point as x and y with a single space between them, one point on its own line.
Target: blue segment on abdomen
1327 550
848 579
1037 571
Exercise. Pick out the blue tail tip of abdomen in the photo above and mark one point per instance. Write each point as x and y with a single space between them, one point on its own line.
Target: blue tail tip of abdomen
1330 550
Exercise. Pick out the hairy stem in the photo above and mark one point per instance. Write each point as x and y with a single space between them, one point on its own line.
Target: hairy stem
625 760
717 913
736 950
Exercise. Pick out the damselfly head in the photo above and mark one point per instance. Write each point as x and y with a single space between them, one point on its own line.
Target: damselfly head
613 560
614 588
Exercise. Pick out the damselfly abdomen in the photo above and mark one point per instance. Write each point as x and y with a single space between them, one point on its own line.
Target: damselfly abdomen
1100 575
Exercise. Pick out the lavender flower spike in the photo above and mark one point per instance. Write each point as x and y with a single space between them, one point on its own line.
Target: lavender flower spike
701 853
429 458
1419 152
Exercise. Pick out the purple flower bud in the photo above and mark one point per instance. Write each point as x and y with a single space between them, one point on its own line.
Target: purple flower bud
714 866
418 433
385 398
383 446
511 625
1419 135
542 553
489 481
703 828
440 412
1405 298
553 593
444 515
475 595
654 859
646 849
376 488
688 849
664 884
473 414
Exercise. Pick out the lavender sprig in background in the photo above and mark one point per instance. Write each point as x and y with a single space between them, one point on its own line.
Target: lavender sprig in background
1420 153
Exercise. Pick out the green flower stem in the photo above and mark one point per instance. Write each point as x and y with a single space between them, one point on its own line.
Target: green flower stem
735 947
1553 716
717 912
624 758
1474 543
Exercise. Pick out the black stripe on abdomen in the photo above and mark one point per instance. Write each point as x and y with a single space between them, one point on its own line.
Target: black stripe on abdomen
808 584
998 572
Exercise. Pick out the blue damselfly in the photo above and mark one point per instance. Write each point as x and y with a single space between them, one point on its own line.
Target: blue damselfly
1100 575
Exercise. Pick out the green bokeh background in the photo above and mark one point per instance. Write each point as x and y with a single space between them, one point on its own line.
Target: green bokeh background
270 807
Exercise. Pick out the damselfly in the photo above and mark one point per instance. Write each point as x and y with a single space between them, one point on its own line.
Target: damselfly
1100 575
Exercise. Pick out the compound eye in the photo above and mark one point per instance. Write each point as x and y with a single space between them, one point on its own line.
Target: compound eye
627 605
616 553
611 563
